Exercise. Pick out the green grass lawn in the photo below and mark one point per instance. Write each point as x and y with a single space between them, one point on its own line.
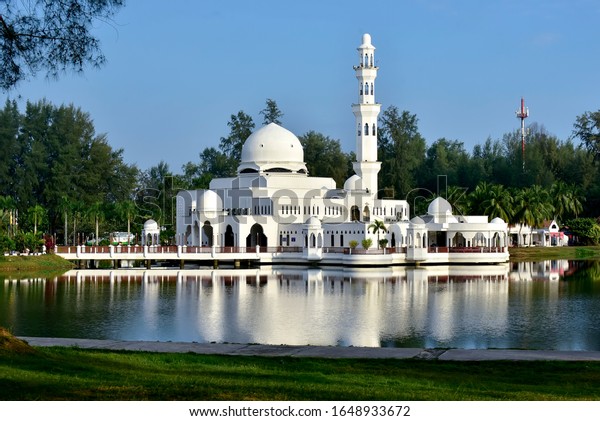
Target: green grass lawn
521 254
76 374
28 373
33 266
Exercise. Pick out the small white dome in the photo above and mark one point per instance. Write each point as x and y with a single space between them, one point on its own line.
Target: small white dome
353 183
366 41
313 222
417 220
273 148
150 224
497 220
439 206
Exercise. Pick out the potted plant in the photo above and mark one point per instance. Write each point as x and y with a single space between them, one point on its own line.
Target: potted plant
367 243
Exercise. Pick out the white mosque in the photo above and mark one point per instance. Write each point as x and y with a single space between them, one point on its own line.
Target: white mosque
275 210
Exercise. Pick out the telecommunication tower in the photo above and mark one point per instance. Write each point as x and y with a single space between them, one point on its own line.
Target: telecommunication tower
523 113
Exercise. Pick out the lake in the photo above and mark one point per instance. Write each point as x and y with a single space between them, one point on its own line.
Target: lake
532 305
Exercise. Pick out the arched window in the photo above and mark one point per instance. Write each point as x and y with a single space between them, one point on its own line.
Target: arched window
229 236
373 132
366 60
359 129
354 213
366 129
361 87
366 214
371 60
207 234
372 89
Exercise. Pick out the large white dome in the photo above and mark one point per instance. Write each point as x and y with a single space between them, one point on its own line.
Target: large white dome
272 148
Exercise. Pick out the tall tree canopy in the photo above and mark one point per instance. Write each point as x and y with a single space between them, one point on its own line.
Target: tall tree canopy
587 128
271 113
240 128
52 35
401 151
324 157
57 156
447 158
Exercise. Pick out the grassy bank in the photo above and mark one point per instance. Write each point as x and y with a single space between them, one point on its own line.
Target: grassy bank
43 265
522 254
75 374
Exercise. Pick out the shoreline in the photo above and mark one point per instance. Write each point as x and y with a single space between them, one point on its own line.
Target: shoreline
312 351
35 264
40 264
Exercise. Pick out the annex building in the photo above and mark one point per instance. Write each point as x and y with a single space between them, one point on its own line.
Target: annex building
274 211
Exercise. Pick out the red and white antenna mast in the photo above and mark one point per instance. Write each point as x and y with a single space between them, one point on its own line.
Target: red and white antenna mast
523 113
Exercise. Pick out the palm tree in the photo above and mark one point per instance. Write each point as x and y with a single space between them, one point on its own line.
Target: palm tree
4 215
36 213
459 199
64 206
498 203
77 207
127 209
566 200
533 207
8 206
377 226
477 198
96 212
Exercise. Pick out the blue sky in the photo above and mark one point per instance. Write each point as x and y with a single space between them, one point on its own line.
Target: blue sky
177 70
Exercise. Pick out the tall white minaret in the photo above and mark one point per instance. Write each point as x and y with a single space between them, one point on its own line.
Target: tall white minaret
366 112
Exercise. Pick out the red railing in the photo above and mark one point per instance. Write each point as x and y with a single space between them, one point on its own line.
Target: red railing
250 250
335 250
95 249
236 249
280 249
128 249
66 249
162 249
363 251
465 249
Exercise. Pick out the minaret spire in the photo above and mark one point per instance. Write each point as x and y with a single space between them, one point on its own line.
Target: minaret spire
366 112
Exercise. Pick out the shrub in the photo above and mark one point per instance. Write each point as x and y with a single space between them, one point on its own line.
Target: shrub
586 230
28 241
367 243
353 244
6 243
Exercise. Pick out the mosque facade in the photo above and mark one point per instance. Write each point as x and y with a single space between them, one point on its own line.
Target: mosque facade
275 209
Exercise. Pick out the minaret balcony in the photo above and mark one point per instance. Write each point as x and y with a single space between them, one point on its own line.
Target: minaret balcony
366 72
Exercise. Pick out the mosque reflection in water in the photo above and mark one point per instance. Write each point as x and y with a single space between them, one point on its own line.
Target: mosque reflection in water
519 305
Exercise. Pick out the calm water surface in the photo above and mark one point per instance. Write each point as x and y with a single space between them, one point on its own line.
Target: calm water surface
547 305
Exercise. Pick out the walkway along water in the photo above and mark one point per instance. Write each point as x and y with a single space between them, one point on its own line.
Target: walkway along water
319 351
344 256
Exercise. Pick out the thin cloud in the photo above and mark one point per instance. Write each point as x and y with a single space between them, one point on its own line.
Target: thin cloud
545 39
